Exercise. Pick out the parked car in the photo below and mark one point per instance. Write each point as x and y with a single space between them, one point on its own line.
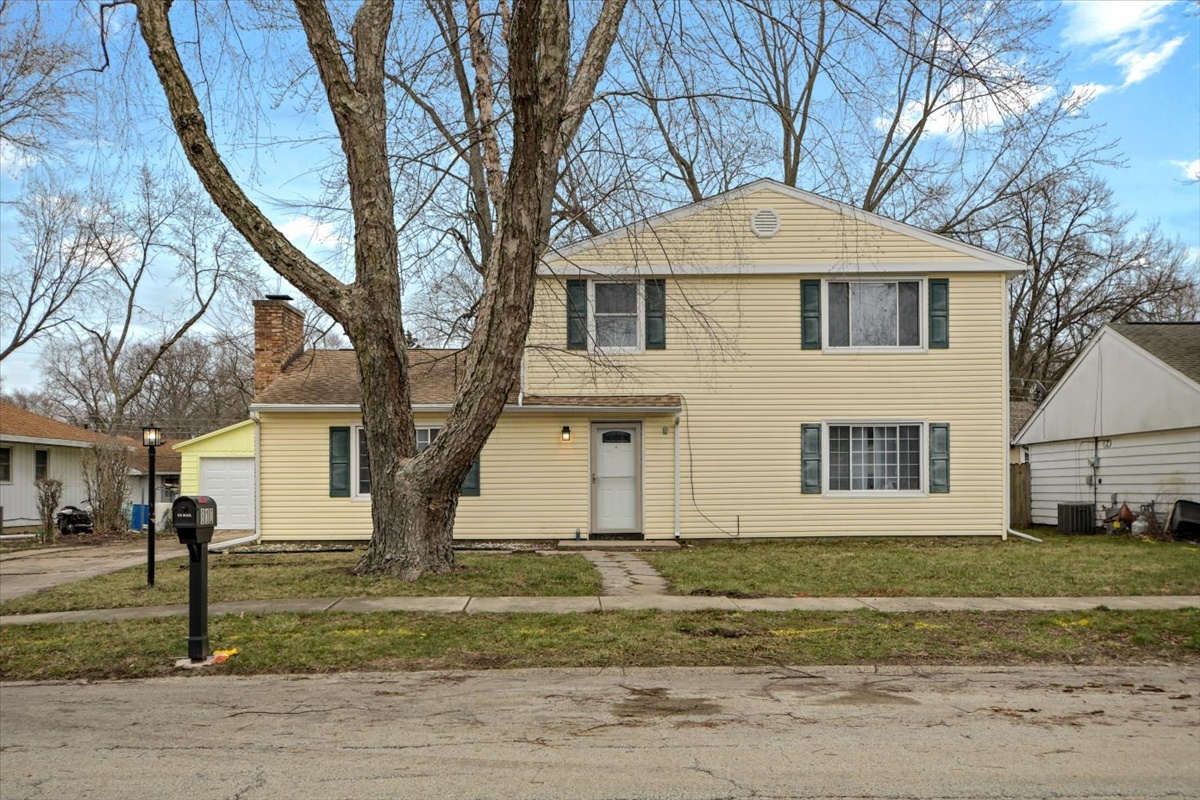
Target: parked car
72 520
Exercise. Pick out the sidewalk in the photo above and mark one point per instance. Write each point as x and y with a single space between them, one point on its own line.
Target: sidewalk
661 602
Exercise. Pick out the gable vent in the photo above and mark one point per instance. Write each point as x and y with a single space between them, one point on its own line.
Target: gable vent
765 223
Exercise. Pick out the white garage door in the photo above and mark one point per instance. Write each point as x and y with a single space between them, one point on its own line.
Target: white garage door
230 481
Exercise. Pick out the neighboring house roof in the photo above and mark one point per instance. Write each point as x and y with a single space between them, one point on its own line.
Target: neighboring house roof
19 425
1176 344
1130 378
330 378
1019 412
560 255
166 460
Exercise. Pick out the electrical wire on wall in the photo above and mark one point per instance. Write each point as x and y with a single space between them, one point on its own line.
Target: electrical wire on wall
692 475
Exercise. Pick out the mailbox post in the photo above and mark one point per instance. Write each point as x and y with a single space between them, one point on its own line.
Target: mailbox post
195 518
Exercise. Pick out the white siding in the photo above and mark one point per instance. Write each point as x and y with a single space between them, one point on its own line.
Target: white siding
1162 466
1114 388
19 497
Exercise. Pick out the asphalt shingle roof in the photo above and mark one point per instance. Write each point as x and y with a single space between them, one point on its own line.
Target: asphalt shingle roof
330 377
1175 343
16 421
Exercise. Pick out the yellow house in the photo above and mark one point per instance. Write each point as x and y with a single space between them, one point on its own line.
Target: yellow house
221 464
765 363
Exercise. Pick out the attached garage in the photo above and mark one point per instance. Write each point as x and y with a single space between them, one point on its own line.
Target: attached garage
221 465
230 481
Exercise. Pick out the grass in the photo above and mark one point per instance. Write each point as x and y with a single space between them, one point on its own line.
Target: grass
961 567
308 643
278 576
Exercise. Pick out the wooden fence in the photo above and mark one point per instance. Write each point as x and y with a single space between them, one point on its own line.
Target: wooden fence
1020 506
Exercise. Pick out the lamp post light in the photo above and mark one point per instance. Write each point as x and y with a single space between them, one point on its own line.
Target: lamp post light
151 438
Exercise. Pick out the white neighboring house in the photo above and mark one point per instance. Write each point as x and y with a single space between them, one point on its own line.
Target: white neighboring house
1123 424
166 476
33 446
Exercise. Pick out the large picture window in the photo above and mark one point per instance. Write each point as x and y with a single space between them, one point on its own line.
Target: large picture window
361 465
874 313
868 458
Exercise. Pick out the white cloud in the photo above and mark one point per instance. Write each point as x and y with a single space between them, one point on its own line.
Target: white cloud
305 232
970 113
1095 22
1191 169
1139 65
15 160
1084 93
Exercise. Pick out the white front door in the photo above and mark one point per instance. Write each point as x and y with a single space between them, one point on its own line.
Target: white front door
616 478
230 481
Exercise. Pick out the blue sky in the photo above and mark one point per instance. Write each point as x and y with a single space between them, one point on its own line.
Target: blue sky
1138 60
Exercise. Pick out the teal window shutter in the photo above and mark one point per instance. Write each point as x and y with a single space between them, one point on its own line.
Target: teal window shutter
939 458
577 315
939 313
470 485
339 462
810 314
810 458
656 314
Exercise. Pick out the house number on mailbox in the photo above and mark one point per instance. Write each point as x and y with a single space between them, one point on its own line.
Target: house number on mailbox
206 516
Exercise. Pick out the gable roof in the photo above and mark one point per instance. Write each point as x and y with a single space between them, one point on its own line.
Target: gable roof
185 443
1092 399
330 377
559 258
17 424
1176 344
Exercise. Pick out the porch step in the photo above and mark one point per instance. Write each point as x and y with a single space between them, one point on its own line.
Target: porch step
617 544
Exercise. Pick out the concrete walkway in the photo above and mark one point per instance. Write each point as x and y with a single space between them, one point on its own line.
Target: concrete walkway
661 602
625 574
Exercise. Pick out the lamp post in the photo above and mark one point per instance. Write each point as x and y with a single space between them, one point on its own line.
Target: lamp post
151 438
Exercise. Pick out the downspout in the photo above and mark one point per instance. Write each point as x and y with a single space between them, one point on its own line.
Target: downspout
677 481
1025 536
521 391
254 537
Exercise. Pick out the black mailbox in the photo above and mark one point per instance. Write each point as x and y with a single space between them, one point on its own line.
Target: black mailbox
194 518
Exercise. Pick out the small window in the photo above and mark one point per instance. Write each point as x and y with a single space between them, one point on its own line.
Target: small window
872 458
874 314
616 437
615 315
41 464
362 460
5 465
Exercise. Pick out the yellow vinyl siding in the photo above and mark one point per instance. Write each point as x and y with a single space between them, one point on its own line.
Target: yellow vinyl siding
720 236
236 441
733 351
532 484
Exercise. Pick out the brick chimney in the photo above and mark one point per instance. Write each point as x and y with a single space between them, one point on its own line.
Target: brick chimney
278 338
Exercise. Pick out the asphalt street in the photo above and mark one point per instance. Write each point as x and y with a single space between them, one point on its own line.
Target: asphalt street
836 732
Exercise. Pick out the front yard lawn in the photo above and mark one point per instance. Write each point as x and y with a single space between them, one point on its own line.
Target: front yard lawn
961 567
297 643
279 576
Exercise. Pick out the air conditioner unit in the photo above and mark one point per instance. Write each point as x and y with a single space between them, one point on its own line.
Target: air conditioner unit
1076 518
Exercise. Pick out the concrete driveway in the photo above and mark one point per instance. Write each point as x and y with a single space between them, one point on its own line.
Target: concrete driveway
24 572
895 732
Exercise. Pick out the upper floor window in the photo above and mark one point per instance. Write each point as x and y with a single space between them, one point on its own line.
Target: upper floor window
874 313
616 316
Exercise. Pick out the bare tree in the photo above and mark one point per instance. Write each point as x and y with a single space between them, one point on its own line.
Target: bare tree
49 495
1088 265
414 497
165 258
56 261
39 68
106 480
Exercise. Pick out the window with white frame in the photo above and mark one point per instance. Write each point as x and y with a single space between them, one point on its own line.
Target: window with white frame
41 464
616 317
874 313
874 457
5 465
362 462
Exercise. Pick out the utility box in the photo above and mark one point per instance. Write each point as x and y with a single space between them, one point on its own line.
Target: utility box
1076 518
194 518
